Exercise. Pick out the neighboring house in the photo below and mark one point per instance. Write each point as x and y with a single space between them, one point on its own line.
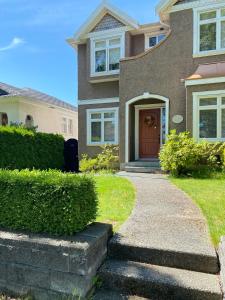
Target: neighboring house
34 108
136 82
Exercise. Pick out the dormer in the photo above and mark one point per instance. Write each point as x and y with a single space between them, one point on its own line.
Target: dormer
105 32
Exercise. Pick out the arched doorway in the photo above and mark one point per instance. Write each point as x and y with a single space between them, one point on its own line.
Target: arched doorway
146 125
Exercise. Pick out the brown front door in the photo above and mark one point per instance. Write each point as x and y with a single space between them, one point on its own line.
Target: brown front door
149 133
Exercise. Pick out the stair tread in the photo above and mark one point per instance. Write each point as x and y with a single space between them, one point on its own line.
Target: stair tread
104 294
163 276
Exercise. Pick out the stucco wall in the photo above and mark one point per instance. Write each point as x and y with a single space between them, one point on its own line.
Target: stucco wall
161 70
47 119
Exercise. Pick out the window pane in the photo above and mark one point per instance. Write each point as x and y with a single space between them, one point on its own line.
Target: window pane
223 34
152 41
208 101
161 37
208 124
223 123
222 12
96 116
70 126
100 44
109 131
96 132
114 42
100 61
109 115
208 15
223 101
208 37
114 58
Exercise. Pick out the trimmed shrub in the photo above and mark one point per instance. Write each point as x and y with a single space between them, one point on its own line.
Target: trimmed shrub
108 160
21 148
46 201
182 155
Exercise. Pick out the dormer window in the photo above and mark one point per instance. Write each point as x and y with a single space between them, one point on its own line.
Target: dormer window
106 54
153 40
209 35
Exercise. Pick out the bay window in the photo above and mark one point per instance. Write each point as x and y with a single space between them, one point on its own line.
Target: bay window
102 126
209 117
210 31
106 54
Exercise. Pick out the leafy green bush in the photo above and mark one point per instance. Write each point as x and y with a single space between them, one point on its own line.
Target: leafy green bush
181 154
46 201
107 160
21 148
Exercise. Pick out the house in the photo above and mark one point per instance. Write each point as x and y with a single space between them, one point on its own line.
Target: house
33 108
137 82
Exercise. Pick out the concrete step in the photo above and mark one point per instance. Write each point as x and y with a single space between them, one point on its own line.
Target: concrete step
156 282
205 262
143 163
104 294
153 170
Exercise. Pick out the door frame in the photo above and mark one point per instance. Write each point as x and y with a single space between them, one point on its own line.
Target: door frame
138 108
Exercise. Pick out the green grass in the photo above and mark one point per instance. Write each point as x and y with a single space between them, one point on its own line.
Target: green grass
209 195
116 199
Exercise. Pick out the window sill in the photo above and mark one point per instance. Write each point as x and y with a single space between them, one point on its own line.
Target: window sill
101 144
208 53
212 140
99 74
104 78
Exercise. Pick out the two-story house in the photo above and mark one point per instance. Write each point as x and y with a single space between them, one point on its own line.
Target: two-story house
136 82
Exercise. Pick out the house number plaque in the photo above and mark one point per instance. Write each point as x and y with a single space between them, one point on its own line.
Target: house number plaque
177 119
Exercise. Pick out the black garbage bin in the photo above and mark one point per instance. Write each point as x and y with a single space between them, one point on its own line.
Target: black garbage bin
71 156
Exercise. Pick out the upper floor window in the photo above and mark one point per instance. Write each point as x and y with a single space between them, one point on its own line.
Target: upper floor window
151 41
106 54
210 31
4 119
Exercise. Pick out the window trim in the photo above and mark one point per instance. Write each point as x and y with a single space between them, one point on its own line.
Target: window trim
106 38
196 109
88 125
150 35
196 30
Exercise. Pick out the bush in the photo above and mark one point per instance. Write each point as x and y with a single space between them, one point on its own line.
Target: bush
107 160
46 201
21 148
181 154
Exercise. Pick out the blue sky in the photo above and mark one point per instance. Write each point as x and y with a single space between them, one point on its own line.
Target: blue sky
33 50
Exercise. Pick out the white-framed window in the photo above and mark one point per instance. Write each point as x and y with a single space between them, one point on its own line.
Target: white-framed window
209 115
153 40
106 54
209 31
67 126
102 126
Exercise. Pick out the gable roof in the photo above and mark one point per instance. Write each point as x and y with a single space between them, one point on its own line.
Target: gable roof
7 90
104 8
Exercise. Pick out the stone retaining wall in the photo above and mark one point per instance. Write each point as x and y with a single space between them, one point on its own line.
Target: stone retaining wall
50 268
221 253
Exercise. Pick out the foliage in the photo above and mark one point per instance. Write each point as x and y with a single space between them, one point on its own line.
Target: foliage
209 194
46 201
107 160
182 155
21 148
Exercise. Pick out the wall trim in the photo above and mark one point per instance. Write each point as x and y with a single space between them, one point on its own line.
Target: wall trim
205 81
149 96
99 101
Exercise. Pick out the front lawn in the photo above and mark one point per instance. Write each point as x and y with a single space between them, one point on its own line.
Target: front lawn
116 199
209 195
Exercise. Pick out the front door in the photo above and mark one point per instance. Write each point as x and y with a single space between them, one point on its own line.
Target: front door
149 133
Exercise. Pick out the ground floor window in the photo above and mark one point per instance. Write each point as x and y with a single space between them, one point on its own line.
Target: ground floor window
102 126
209 116
67 126
4 119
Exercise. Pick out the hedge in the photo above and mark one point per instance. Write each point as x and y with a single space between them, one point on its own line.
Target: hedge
25 149
46 201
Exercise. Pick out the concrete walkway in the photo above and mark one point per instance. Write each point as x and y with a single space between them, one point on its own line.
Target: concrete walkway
166 219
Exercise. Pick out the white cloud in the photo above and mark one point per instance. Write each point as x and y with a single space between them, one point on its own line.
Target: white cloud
14 44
